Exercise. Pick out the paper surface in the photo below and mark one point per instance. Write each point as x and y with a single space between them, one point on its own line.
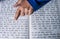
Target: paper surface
45 23
9 28
42 24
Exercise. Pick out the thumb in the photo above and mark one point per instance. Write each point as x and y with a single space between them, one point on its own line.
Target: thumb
18 3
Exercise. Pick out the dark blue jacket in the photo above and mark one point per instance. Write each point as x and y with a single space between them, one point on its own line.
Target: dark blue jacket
36 4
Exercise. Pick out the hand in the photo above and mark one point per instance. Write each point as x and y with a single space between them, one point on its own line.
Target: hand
24 8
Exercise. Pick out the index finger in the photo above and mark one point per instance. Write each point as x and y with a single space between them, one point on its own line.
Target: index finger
17 14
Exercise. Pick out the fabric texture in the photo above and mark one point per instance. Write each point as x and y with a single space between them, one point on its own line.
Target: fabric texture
36 4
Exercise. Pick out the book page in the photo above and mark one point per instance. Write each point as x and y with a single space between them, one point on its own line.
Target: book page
10 28
45 23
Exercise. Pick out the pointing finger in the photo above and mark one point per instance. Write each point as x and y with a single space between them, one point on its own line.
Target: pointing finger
17 14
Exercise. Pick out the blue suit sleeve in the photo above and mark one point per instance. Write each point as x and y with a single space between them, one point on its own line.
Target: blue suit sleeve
36 4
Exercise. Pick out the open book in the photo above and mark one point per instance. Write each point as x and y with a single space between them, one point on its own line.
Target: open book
42 24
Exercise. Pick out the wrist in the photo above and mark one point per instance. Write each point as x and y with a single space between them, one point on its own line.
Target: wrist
34 4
